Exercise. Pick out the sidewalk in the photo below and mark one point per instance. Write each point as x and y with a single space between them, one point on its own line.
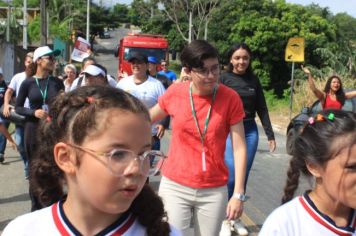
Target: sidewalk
14 198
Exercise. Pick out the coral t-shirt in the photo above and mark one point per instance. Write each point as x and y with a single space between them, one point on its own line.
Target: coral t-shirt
184 164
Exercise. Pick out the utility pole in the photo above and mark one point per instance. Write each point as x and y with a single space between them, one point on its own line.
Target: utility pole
206 30
8 23
43 23
190 26
88 20
24 33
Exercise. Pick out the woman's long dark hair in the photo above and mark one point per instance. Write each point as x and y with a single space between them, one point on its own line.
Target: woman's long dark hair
314 145
73 116
232 50
340 94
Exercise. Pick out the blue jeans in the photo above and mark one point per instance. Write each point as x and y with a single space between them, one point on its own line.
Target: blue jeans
3 139
20 142
251 136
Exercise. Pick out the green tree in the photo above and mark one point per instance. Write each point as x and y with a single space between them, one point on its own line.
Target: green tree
119 13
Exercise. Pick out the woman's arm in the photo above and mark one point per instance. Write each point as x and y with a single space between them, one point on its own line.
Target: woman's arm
7 98
262 111
318 93
156 113
235 206
351 94
20 101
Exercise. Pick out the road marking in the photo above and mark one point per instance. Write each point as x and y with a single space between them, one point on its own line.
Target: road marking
247 220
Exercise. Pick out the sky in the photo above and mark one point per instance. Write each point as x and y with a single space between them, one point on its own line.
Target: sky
335 6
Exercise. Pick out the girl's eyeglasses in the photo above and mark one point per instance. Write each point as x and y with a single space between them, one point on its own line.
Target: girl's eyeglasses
150 161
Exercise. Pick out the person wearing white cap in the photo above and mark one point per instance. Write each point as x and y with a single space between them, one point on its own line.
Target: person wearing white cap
14 86
95 75
40 89
82 80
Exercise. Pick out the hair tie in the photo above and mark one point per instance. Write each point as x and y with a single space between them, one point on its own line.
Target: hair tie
90 100
331 116
311 120
319 117
48 119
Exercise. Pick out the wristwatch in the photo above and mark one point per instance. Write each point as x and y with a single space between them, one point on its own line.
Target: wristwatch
240 196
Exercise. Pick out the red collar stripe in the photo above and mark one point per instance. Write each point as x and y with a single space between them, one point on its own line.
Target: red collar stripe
124 227
321 220
65 231
58 222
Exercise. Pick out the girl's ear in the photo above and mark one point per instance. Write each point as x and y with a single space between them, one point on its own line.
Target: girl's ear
64 158
314 169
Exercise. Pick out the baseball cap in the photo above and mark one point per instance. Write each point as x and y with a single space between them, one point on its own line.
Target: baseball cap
138 56
152 60
94 70
44 51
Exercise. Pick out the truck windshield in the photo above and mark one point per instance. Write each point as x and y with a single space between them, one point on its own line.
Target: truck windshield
159 53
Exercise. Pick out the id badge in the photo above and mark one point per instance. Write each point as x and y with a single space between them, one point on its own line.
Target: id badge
45 107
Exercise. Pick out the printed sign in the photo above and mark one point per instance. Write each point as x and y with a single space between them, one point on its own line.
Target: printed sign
81 49
295 50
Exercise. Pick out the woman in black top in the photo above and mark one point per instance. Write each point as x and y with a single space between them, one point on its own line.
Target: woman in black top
240 77
40 89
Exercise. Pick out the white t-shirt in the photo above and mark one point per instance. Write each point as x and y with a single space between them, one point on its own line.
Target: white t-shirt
15 85
301 217
147 92
112 82
52 221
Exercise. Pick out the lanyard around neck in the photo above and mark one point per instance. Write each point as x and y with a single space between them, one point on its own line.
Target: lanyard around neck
207 119
43 93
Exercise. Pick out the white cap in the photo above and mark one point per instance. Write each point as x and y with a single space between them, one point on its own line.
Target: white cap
44 51
94 70
0 70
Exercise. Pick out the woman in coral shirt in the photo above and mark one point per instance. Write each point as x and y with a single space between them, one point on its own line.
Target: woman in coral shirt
203 113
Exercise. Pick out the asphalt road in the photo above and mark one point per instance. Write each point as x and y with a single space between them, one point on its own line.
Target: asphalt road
264 188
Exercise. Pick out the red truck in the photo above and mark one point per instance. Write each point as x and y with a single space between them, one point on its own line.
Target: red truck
148 44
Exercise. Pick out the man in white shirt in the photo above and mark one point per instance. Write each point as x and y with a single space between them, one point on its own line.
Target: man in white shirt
145 88
15 85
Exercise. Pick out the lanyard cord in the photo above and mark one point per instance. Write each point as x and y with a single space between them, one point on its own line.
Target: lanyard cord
207 119
43 93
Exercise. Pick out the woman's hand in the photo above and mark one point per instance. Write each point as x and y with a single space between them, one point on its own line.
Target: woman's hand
306 70
272 145
40 114
6 110
234 209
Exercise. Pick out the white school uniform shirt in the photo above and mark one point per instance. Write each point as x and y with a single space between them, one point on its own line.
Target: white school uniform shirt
52 221
300 217
15 85
147 92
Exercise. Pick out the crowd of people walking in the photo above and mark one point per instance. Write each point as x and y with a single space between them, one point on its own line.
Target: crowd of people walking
90 143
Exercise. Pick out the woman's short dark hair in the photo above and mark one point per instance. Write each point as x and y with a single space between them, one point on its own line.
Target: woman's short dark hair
233 49
194 54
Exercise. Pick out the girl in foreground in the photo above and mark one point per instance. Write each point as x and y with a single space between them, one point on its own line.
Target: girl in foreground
97 146
326 151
